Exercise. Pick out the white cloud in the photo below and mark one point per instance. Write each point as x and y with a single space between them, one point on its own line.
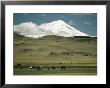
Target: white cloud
30 29
27 29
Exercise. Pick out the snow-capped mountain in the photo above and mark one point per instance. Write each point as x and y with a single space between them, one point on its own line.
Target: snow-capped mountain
58 27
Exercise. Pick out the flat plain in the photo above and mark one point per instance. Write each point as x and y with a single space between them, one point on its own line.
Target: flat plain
78 55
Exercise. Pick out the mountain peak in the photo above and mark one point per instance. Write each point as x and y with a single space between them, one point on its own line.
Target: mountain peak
59 22
58 27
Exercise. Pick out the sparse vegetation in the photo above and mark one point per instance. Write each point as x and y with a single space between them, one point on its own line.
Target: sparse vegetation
75 55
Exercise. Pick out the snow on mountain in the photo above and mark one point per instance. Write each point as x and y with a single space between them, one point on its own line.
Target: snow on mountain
58 27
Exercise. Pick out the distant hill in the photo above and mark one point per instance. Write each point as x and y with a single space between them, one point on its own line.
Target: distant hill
18 36
57 38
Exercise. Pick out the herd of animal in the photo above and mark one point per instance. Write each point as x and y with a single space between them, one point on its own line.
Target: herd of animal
39 67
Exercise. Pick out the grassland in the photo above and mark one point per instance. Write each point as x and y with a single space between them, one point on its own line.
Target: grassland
78 55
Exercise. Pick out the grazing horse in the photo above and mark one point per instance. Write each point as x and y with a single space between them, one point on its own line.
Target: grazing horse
19 66
53 68
39 68
30 67
63 67
48 68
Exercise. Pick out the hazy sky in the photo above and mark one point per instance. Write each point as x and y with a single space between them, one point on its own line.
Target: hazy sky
85 22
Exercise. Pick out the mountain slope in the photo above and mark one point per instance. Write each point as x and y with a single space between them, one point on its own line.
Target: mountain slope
59 28
62 29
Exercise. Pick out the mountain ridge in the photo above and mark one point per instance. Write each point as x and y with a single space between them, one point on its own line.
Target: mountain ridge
59 28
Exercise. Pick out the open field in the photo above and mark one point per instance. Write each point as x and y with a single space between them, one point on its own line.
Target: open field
77 55
58 71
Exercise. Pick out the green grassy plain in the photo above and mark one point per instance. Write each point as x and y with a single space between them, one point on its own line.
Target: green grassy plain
58 71
55 51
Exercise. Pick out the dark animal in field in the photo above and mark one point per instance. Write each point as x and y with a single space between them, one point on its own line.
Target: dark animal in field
48 68
53 68
18 66
63 67
39 68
